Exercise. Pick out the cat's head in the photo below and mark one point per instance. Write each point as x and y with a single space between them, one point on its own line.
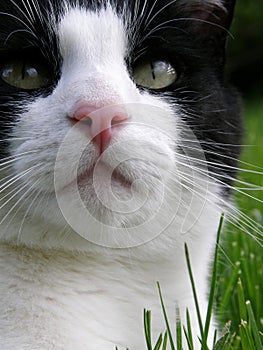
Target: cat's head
115 118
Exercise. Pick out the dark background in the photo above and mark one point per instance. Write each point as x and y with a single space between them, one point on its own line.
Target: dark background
245 50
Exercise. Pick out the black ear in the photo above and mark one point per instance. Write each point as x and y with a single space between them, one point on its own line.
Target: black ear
229 6
211 17
207 23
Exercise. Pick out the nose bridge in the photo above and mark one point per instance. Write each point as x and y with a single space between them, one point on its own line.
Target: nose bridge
92 88
106 89
94 73
98 79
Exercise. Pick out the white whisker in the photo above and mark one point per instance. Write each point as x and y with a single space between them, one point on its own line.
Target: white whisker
217 164
25 216
14 157
14 139
149 19
217 176
19 20
19 31
29 16
244 221
17 177
21 198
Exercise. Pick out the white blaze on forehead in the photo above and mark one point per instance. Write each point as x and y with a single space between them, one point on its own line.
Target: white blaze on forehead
88 38
93 45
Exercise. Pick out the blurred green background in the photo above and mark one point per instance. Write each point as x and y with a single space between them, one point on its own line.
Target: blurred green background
245 50
241 255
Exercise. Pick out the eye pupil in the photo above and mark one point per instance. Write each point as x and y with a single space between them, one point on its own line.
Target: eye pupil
152 68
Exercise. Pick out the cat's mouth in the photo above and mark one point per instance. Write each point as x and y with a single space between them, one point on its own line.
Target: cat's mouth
99 178
102 177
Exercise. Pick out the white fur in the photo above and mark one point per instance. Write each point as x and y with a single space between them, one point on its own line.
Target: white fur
58 289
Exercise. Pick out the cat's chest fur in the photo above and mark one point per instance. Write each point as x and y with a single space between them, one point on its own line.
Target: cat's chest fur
111 116
58 300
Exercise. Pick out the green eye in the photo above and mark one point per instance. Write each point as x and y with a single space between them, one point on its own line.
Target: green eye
25 74
154 74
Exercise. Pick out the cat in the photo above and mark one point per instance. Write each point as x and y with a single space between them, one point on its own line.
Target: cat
119 139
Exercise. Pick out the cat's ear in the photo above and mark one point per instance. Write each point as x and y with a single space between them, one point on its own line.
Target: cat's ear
229 6
218 12
211 17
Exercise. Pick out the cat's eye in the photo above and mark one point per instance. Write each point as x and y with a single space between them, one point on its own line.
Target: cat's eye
26 74
157 74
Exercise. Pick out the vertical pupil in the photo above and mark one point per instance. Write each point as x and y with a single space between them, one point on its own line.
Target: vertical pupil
23 73
152 70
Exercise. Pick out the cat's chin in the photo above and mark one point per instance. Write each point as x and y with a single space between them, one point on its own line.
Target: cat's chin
110 195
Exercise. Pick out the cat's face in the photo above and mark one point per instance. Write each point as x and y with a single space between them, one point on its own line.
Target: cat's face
105 110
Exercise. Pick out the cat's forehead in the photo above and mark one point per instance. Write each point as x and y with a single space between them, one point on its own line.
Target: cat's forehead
91 34
47 15
88 25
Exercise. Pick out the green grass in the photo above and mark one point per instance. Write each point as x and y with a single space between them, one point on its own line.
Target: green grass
241 260
237 282
247 335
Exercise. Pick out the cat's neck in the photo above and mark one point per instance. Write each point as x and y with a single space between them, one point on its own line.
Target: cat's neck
51 289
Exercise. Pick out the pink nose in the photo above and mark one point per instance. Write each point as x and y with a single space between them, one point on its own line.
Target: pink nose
102 123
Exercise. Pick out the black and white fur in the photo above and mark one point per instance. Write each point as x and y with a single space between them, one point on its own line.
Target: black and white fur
80 261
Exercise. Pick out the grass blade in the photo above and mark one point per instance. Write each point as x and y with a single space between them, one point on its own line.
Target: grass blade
189 343
164 341
147 328
215 338
254 327
189 337
159 342
166 318
178 330
241 301
204 345
246 337
228 292
213 281
222 343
